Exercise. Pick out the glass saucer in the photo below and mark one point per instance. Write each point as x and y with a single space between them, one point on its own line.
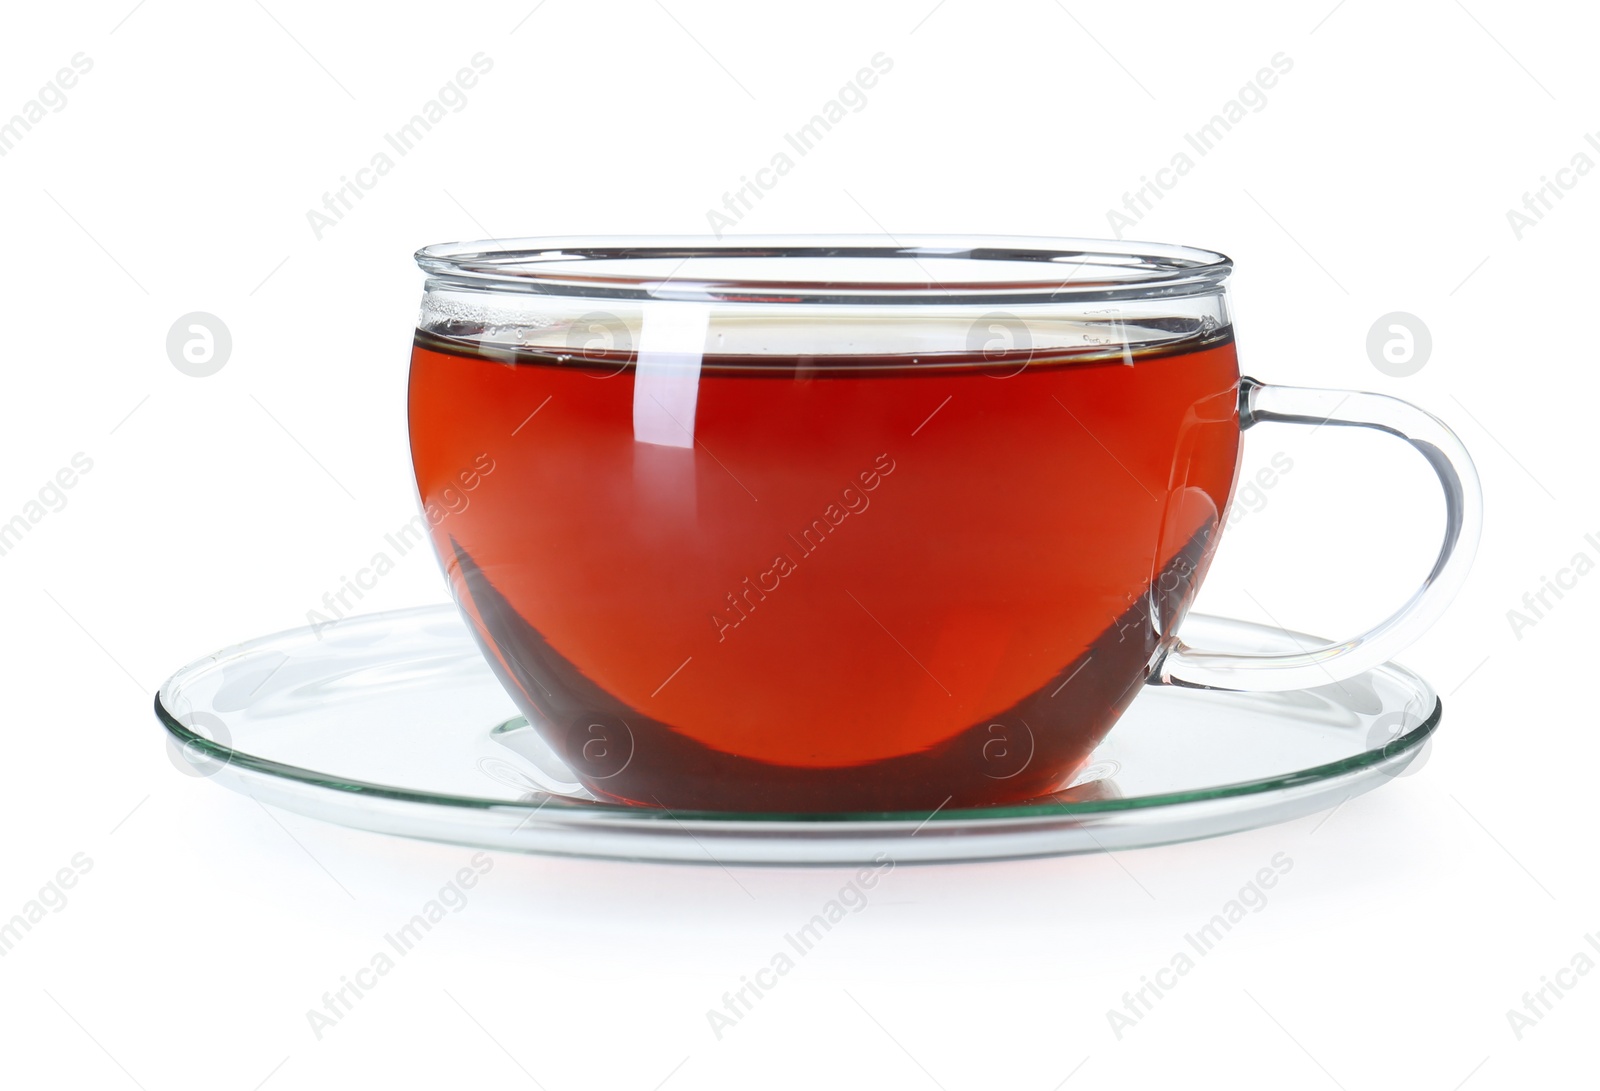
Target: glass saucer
392 722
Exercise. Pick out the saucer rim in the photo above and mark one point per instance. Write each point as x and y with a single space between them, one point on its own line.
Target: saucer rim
1399 749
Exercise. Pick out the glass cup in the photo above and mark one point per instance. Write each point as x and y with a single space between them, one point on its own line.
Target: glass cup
832 524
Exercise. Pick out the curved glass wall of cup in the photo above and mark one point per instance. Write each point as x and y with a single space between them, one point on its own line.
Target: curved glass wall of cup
1005 298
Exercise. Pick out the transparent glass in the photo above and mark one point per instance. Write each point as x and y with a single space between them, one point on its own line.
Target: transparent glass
393 722
830 524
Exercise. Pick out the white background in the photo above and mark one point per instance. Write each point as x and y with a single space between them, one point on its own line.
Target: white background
1376 178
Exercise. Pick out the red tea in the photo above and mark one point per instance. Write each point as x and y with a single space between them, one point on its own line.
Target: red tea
866 583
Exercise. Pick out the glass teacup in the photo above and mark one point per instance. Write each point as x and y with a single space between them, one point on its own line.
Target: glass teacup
834 524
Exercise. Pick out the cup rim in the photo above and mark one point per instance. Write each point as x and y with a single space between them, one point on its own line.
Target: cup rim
654 267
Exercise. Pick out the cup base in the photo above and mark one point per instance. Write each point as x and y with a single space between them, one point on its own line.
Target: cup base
393 722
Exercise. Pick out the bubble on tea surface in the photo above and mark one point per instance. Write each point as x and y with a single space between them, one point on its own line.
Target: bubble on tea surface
1385 735
1399 344
199 344
188 757
1003 340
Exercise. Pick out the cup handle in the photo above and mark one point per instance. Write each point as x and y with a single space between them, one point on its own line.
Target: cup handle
1463 496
